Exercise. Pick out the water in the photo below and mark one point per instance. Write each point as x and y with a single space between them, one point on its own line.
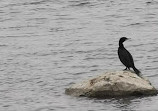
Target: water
47 45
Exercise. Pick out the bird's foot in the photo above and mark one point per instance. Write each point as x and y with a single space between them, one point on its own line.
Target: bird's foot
125 69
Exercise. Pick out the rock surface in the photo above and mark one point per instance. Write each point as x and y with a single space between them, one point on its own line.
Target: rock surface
113 84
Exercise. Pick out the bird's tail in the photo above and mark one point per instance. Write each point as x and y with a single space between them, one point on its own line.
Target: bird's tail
136 70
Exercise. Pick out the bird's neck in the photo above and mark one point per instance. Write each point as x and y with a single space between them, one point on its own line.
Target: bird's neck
121 45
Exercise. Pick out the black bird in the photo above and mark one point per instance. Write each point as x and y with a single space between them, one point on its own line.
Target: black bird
125 57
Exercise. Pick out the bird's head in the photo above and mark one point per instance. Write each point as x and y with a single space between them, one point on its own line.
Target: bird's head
122 39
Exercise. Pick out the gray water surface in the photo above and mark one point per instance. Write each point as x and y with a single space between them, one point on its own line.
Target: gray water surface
47 45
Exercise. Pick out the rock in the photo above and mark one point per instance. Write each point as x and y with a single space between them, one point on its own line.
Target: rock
113 84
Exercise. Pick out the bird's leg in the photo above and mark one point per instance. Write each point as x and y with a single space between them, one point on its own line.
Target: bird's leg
125 69
128 68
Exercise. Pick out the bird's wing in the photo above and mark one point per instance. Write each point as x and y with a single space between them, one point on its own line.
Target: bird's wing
125 57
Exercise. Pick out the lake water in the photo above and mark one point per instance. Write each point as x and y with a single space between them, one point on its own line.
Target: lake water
47 45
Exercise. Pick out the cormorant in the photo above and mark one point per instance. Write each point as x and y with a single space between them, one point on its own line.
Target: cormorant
125 57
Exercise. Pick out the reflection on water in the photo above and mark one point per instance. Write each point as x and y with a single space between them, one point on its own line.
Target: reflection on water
47 45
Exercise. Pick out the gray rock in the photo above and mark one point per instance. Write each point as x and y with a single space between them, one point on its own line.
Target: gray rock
113 84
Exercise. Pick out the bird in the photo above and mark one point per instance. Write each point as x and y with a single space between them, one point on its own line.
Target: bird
125 56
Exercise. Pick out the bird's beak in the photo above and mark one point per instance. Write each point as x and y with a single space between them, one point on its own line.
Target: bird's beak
128 38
